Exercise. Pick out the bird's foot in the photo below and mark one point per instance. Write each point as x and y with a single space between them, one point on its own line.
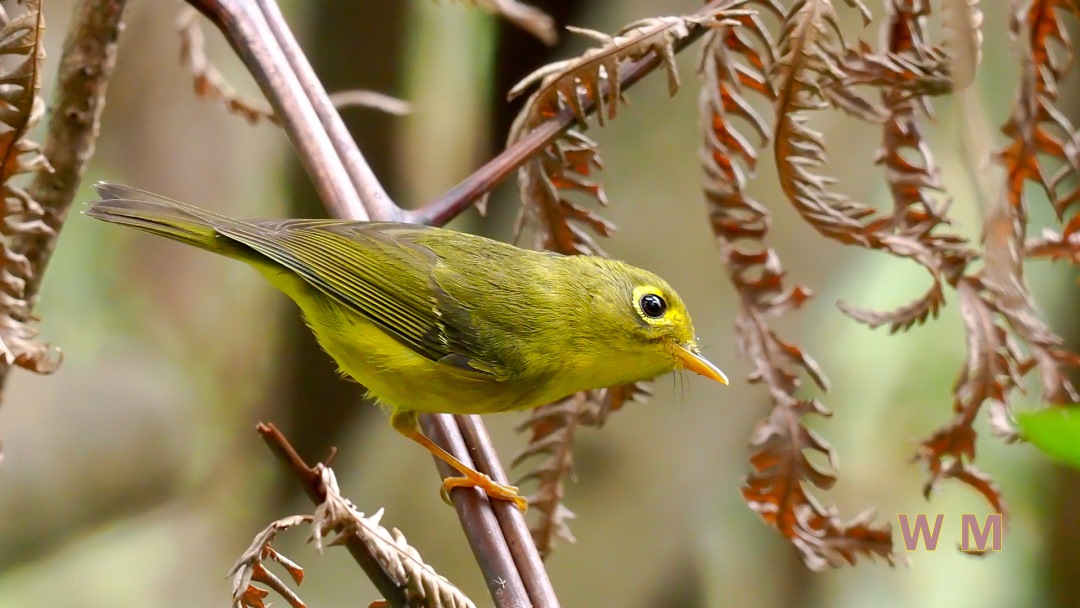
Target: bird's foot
492 488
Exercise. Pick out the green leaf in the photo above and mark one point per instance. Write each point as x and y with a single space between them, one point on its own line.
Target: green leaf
1055 431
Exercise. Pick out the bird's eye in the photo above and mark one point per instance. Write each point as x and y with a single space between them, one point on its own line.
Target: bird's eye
653 305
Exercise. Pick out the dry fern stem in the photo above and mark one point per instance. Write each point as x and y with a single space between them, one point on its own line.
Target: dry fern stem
336 515
23 53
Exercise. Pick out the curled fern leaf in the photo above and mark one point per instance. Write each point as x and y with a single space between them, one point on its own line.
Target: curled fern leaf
811 46
22 49
775 490
733 64
812 60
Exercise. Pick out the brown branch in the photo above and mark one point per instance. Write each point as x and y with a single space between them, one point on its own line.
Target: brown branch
86 64
262 39
246 28
486 538
312 484
374 196
483 180
529 18
528 560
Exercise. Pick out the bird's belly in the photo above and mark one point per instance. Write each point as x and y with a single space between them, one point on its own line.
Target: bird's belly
401 378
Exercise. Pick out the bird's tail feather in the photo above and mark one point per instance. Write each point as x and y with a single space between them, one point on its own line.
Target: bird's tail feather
165 217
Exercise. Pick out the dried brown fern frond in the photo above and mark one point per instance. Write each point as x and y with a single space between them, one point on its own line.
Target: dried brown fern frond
994 368
552 429
529 18
925 72
1040 135
722 99
569 162
566 165
1003 277
732 62
250 568
21 107
208 81
337 515
423 585
1053 245
811 48
1005 337
1038 130
999 317
812 59
911 172
776 491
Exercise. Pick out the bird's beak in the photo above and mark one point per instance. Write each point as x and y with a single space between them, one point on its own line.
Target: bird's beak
694 362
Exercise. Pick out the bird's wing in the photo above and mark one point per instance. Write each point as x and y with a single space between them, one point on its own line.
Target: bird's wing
379 271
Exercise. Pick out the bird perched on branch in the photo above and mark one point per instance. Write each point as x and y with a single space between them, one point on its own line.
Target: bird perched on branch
433 320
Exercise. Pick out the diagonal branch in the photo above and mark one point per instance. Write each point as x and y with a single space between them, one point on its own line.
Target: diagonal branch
313 487
260 36
374 196
484 179
247 29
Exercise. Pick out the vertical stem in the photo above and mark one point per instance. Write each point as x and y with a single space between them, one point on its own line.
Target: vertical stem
481 526
86 65
373 195
525 555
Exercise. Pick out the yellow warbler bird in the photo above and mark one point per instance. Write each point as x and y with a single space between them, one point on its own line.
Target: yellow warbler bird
433 320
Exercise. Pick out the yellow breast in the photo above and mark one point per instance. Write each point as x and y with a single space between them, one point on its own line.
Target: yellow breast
394 374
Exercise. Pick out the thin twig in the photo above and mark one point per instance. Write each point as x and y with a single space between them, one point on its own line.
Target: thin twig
358 98
483 180
312 484
86 64
246 27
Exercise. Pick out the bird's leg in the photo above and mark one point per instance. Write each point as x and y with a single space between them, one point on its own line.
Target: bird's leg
406 423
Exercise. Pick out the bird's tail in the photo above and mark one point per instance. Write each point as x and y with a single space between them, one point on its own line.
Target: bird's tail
165 217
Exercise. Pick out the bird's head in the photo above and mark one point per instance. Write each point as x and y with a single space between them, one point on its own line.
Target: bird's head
649 320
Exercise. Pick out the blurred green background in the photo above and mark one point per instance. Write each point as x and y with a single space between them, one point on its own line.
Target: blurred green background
133 476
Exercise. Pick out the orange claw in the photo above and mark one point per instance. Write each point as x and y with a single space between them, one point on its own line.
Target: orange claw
494 489
405 422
